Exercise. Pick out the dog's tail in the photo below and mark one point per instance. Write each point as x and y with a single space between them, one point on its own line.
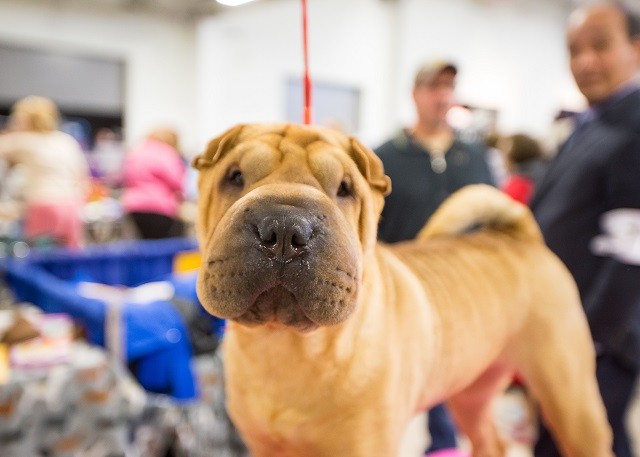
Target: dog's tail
481 205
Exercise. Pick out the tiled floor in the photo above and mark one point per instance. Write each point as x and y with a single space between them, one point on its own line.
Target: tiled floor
515 420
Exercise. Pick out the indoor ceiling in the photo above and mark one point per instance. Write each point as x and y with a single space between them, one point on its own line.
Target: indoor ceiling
181 9
178 9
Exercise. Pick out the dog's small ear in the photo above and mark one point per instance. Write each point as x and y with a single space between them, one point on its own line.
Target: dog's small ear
370 166
217 148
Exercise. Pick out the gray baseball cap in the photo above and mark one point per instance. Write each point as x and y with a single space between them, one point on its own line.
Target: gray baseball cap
431 69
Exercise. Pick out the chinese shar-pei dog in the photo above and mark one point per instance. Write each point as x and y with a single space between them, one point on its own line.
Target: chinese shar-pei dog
334 341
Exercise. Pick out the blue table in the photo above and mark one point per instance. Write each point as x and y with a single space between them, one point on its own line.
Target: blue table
157 342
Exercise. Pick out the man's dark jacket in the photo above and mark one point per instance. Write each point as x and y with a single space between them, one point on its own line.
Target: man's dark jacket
416 189
597 170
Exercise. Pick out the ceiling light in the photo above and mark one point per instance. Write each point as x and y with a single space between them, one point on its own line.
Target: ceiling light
233 2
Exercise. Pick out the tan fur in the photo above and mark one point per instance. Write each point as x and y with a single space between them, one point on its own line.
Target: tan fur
376 333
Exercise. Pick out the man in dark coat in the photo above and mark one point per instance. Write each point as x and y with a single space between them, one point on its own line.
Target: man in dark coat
596 176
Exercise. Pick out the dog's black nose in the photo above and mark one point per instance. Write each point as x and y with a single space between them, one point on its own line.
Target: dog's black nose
284 235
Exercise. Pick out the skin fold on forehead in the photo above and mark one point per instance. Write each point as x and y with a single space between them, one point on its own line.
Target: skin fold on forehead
275 135
271 134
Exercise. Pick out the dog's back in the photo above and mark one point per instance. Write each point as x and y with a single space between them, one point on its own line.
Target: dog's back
503 302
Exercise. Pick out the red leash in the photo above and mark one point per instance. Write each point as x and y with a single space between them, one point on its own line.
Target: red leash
307 115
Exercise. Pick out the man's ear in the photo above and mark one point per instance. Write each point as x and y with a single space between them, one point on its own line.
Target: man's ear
370 166
217 148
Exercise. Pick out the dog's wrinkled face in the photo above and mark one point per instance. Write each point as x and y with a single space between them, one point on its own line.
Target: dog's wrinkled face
286 214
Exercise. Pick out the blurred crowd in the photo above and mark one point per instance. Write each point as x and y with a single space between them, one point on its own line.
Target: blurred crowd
55 193
57 189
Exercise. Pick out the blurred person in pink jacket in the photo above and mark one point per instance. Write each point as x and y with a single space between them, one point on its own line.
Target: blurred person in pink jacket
55 169
154 185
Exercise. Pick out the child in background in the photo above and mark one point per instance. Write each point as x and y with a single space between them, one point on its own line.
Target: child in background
525 164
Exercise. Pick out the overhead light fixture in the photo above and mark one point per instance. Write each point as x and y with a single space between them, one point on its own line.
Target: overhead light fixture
233 2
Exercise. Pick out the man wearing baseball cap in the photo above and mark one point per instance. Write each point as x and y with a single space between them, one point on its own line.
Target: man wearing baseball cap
426 163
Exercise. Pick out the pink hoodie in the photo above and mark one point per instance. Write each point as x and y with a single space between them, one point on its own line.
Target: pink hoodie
153 179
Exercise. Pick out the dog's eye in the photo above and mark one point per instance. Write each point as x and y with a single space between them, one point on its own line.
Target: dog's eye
345 189
235 177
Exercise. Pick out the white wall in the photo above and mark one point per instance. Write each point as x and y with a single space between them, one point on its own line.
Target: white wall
246 55
159 57
232 67
511 56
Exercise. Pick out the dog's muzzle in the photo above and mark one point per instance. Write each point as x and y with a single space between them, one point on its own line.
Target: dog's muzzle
282 261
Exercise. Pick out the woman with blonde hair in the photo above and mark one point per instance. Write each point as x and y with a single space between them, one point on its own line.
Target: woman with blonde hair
56 171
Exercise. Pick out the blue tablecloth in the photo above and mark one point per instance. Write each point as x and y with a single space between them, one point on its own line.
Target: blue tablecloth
157 342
